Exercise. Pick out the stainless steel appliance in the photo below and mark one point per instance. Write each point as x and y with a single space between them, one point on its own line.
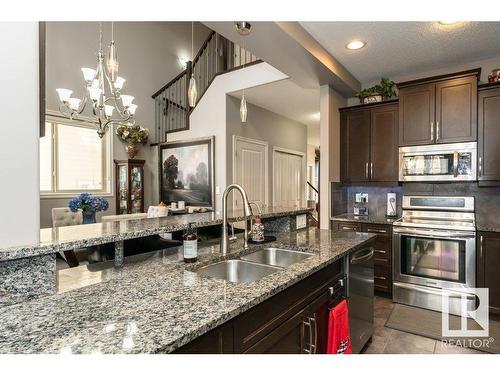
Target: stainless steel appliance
360 294
434 248
440 162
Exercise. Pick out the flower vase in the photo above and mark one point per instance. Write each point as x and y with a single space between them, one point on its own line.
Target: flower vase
88 217
132 150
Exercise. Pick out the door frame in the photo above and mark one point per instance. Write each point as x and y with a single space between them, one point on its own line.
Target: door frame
304 169
266 156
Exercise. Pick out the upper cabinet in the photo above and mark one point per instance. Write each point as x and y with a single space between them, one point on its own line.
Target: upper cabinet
439 109
369 143
489 134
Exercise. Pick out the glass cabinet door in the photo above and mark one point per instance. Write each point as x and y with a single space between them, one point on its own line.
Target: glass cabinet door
122 189
136 189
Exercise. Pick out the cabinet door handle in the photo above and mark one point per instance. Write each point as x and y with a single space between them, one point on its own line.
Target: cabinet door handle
480 166
371 169
347 228
381 251
432 131
308 324
376 230
437 131
366 170
314 345
380 277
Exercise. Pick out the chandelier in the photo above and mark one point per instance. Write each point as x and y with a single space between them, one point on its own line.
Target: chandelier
102 91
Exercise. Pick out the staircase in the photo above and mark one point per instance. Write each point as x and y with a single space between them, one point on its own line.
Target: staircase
216 56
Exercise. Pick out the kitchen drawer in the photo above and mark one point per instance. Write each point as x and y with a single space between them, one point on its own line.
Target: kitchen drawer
340 226
383 278
380 229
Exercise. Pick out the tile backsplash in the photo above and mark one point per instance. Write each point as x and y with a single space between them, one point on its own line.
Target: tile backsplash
487 199
377 198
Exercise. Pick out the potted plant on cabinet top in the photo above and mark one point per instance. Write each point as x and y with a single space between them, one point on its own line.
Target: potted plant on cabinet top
89 204
378 93
132 135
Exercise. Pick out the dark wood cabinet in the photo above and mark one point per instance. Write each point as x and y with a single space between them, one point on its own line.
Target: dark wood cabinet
416 115
489 134
129 177
369 143
382 246
383 147
456 110
488 266
439 109
357 125
294 321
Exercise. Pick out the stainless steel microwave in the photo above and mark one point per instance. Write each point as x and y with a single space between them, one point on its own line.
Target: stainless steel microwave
441 162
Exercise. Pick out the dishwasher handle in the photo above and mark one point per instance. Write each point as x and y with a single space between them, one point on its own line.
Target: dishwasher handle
362 255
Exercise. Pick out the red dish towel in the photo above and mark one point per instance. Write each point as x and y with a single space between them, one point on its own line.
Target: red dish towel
339 339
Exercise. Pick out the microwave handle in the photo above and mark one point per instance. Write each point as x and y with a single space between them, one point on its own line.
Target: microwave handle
455 164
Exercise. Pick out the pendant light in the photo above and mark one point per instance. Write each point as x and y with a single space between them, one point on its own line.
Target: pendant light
243 103
192 90
243 108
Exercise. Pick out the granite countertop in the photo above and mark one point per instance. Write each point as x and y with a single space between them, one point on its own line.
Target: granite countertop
53 240
369 219
157 304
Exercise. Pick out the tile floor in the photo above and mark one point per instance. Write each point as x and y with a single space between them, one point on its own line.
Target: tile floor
390 341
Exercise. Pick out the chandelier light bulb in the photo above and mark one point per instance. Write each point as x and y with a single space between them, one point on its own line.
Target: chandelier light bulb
132 108
64 94
74 103
108 110
89 74
127 100
95 93
192 92
112 62
119 83
243 109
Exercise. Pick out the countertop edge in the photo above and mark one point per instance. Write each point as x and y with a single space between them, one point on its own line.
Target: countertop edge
28 251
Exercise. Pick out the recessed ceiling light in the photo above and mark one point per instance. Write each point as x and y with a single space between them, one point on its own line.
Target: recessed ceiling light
355 44
449 22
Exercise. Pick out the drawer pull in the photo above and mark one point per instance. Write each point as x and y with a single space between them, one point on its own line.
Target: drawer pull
377 230
380 277
381 251
348 228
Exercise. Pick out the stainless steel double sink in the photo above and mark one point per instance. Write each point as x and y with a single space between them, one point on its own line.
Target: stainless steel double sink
253 266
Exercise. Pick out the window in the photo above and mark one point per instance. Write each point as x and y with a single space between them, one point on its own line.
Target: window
73 158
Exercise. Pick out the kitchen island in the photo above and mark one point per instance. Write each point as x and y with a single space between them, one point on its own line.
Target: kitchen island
156 303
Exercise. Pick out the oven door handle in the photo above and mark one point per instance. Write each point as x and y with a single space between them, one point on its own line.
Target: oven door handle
432 233
430 290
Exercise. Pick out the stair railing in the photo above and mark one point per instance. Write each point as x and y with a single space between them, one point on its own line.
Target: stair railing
217 55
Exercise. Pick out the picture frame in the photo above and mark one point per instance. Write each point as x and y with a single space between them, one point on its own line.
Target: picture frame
186 172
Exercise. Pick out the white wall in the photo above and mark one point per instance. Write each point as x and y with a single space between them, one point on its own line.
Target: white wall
209 116
19 189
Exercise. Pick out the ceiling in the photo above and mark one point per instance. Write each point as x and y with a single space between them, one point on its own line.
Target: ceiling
288 99
398 48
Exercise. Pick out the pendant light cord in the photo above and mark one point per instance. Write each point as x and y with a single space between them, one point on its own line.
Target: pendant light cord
100 36
112 31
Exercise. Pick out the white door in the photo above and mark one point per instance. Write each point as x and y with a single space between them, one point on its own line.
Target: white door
289 182
250 169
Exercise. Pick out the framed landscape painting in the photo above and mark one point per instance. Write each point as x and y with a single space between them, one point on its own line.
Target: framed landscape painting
187 172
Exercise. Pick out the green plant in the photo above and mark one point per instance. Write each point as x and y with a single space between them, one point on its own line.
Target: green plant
132 134
385 88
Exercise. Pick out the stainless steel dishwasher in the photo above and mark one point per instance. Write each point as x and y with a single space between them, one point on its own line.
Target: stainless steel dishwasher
360 295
